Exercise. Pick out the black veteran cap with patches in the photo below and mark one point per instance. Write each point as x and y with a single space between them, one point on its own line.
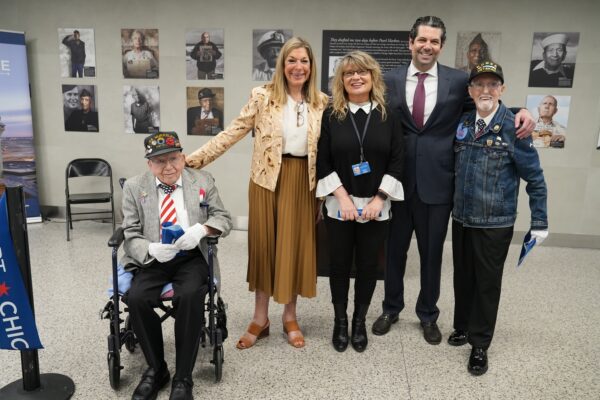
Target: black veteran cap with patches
161 143
487 67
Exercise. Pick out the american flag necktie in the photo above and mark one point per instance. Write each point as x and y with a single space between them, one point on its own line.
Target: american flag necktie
167 207
480 128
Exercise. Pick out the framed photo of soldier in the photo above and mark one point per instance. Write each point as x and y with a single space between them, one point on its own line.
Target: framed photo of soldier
551 113
140 53
475 47
204 54
80 108
266 45
141 109
553 59
77 52
205 107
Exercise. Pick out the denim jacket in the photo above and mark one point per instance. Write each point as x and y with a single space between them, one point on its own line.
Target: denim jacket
488 171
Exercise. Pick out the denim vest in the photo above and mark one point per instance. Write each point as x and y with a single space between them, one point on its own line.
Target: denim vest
488 171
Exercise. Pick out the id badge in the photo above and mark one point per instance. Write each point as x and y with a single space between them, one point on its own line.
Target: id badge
361 168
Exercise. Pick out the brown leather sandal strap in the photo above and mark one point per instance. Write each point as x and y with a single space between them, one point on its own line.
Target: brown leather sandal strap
255 329
291 326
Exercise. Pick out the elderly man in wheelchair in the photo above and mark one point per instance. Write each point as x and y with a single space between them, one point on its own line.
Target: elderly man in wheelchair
168 212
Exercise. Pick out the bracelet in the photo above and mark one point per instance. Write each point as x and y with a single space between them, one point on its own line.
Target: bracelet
382 195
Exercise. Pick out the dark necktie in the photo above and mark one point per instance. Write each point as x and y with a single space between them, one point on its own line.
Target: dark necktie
480 128
168 189
418 111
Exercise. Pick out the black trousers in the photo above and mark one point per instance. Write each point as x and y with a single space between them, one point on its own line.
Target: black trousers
430 223
361 241
479 256
189 275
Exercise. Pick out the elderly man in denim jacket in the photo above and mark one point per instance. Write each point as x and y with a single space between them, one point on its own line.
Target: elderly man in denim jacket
489 164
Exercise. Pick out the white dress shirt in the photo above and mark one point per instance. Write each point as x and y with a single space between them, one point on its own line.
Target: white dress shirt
295 138
431 88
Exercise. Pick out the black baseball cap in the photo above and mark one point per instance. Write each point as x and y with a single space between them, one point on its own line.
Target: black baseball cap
487 67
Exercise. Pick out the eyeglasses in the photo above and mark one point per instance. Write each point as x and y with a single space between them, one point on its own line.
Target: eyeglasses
299 113
489 85
360 72
162 162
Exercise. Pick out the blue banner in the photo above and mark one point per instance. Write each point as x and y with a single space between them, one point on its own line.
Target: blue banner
17 326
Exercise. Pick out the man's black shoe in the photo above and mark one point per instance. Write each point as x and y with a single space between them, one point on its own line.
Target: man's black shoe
478 361
182 389
431 332
152 381
383 324
458 338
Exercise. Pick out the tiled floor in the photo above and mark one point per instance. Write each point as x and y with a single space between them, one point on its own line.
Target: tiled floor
546 345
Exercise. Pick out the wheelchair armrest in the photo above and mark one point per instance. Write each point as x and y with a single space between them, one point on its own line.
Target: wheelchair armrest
117 238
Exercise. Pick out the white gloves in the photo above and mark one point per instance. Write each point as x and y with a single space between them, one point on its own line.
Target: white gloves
539 236
162 252
191 238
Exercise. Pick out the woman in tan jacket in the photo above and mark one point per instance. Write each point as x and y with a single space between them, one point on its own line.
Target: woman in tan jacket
286 117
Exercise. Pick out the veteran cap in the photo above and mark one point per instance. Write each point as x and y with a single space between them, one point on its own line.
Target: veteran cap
559 38
161 143
487 67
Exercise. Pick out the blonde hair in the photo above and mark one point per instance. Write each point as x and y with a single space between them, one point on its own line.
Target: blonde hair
278 86
362 61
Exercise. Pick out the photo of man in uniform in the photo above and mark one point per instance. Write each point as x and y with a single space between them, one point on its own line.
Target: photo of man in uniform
475 47
207 119
268 43
554 69
84 119
70 99
76 52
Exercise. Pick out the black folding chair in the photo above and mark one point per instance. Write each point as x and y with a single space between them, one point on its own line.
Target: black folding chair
86 168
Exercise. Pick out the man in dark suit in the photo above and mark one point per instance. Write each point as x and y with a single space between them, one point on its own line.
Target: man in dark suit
169 192
430 97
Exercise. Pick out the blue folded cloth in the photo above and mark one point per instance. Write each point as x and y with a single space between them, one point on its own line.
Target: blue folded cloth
124 283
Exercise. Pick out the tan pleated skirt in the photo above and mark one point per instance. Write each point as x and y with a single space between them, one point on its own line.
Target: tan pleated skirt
281 235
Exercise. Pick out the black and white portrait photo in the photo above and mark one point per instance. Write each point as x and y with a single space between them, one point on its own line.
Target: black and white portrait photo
205 110
553 58
77 52
80 108
204 50
140 53
266 44
141 109
475 47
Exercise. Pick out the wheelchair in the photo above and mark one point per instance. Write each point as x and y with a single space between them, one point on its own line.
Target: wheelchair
214 330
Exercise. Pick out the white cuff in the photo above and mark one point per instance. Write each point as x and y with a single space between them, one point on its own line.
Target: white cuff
328 184
392 187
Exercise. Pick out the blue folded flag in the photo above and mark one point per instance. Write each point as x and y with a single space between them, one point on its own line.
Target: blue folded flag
528 245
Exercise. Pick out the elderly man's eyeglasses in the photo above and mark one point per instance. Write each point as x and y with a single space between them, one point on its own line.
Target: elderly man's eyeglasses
489 85
162 162
300 113
360 72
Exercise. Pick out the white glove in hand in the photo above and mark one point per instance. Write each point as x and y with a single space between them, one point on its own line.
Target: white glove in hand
191 238
162 252
539 236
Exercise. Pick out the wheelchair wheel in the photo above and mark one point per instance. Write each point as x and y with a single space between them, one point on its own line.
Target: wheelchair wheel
114 370
218 361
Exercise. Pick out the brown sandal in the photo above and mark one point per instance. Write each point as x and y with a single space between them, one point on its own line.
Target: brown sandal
256 330
292 326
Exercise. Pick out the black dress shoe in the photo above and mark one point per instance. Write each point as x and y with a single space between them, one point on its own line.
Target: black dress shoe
182 389
359 337
152 381
383 324
458 338
478 361
340 337
431 332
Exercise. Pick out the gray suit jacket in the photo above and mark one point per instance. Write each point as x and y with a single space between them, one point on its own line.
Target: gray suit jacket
429 157
141 215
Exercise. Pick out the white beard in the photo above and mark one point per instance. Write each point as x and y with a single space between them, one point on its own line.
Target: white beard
485 105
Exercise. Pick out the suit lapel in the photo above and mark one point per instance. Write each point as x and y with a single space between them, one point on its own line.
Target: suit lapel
402 93
151 219
191 197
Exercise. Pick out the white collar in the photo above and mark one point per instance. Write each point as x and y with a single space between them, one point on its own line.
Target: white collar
487 119
433 71
178 182
354 107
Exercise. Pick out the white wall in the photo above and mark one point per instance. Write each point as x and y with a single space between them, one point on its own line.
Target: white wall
572 174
